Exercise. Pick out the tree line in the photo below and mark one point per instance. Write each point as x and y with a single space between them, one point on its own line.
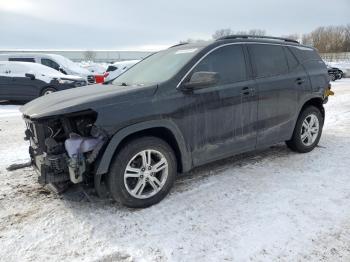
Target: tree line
327 39
330 39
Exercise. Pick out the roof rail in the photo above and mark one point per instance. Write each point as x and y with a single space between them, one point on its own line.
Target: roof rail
258 37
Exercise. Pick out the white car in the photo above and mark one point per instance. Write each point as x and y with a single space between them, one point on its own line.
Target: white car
117 68
94 68
57 62
25 81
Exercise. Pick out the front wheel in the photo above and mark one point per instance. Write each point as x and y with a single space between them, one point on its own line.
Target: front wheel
142 173
307 131
47 91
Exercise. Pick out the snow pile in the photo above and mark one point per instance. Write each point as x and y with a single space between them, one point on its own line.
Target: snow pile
272 205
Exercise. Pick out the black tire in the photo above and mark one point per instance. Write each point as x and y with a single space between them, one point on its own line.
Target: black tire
333 77
115 177
296 143
47 90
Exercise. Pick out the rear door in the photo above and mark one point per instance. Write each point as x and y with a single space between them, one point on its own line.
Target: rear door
278 85
315 67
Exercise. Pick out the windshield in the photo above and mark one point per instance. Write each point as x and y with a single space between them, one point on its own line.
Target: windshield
158 67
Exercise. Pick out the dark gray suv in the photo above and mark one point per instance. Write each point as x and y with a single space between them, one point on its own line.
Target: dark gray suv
178 109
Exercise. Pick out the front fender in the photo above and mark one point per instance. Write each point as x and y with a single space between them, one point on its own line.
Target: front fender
118 137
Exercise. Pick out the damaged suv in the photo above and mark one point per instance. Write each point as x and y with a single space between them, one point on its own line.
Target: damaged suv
178 109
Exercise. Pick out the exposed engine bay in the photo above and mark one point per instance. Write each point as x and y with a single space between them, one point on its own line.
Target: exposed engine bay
65 148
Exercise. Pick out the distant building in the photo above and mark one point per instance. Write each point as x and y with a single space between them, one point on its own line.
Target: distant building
107 56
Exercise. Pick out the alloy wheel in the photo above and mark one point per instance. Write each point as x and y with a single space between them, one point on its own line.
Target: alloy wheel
146 174
47 92
310 129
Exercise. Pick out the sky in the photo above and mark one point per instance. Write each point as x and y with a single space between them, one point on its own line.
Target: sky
153 24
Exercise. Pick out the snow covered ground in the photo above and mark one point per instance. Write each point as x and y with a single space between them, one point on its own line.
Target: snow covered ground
273 205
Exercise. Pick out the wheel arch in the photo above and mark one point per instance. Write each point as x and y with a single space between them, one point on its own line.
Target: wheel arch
163 129
316 102
42 89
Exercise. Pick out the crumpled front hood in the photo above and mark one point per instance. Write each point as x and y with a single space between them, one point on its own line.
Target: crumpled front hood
83 98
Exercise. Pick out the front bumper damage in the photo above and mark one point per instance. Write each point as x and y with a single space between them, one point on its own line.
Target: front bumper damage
50 168
64 149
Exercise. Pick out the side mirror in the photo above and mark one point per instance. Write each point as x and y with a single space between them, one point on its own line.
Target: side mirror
201 80
31 76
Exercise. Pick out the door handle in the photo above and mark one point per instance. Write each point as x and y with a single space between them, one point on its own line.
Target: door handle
245 91
300 81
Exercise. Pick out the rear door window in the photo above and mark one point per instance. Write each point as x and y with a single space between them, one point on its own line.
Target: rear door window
292 61
22 59
50 63
268 60
228 62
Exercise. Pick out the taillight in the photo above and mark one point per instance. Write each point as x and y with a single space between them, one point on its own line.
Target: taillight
328 91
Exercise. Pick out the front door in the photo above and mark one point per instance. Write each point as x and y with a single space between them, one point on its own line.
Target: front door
221 119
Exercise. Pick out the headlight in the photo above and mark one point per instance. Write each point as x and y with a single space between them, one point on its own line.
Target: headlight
65 81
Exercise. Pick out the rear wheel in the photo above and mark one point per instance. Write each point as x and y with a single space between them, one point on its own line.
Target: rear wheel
307 131
142 173
333 77
47 91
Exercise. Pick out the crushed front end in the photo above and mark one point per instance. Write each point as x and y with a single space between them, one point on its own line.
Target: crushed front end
63 149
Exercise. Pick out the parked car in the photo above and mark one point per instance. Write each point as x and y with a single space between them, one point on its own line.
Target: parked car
25 81
98 70
335 73
117 68
178 109
57 62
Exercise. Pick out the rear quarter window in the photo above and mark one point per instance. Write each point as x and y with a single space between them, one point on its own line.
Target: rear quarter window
305 53
22 59
268 60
